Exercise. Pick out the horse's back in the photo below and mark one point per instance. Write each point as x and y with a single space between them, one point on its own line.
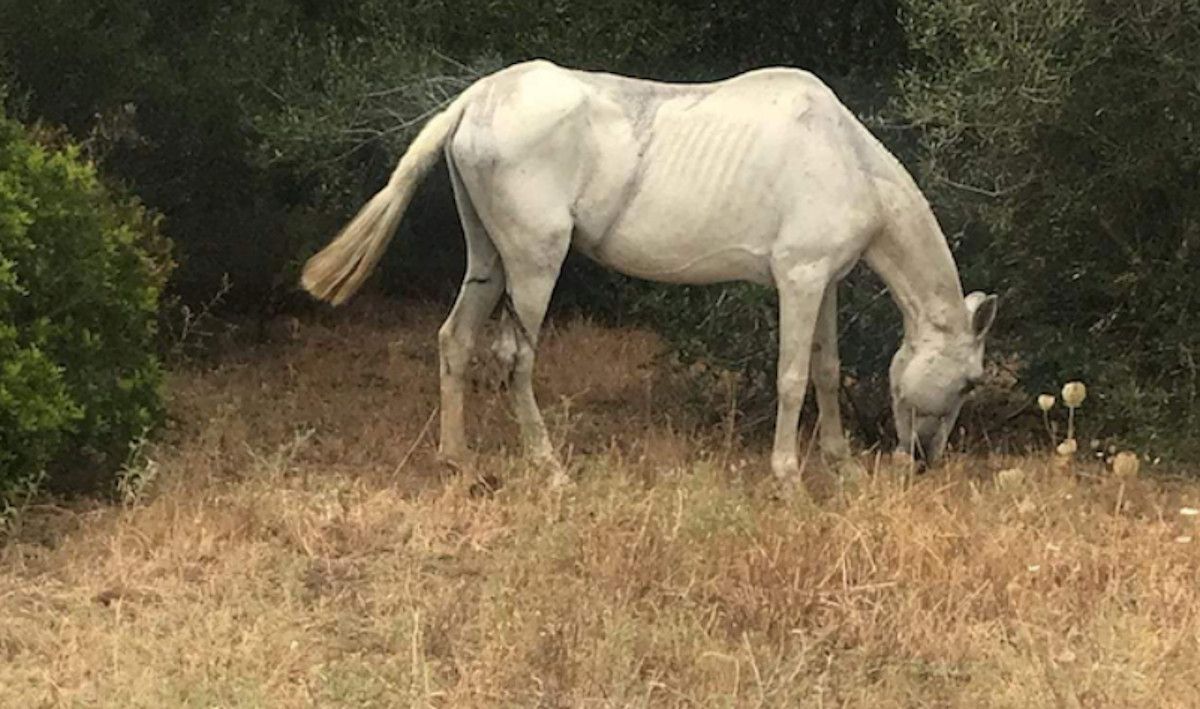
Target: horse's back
723 169
529 97
670 181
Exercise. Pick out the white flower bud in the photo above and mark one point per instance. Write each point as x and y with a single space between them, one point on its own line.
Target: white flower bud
1125 464
1073 394
1009 478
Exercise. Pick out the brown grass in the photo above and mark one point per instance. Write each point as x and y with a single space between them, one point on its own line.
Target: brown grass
284 548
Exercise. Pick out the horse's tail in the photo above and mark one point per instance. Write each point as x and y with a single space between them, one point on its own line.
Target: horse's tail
338 270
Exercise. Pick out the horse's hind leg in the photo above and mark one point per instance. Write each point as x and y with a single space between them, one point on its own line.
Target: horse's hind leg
482 286
533 243
525 202
531 279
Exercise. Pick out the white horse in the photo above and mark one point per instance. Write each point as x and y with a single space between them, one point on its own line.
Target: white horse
764 177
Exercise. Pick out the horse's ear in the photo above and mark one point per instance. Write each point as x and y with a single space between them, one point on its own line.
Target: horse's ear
982 310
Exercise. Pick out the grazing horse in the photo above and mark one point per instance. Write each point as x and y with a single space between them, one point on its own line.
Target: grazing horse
764 177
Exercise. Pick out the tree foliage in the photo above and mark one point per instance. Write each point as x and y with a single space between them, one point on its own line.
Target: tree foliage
1060 141
254 128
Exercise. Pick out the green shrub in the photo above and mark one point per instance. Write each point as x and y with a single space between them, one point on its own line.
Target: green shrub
80 275
1060 144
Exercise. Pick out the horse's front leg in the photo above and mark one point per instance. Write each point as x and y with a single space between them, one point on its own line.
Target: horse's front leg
801 290
826 373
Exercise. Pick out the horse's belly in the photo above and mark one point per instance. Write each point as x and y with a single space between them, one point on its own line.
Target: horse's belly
702 206
684 229
686 243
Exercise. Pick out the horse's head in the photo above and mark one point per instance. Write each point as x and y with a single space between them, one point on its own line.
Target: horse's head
931 376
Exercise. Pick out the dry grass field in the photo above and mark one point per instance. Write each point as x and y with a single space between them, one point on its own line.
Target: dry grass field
291 541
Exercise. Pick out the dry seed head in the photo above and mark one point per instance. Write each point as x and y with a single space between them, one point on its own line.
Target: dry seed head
1060 463
1045 402
1125 464
1073 394
1009 478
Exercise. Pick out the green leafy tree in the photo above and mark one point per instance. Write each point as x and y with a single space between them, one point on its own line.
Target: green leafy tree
80 276
1060 142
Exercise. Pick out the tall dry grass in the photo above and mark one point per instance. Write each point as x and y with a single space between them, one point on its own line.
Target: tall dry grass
293 543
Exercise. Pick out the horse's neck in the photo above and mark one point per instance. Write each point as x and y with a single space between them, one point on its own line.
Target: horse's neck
913 259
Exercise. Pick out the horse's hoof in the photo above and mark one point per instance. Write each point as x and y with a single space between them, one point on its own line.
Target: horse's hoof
549 462
456 463
849 471
559 480
790 488
485 486
903 463
558 474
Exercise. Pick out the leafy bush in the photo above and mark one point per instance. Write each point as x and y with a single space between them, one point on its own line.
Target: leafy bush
80 275
1060 144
